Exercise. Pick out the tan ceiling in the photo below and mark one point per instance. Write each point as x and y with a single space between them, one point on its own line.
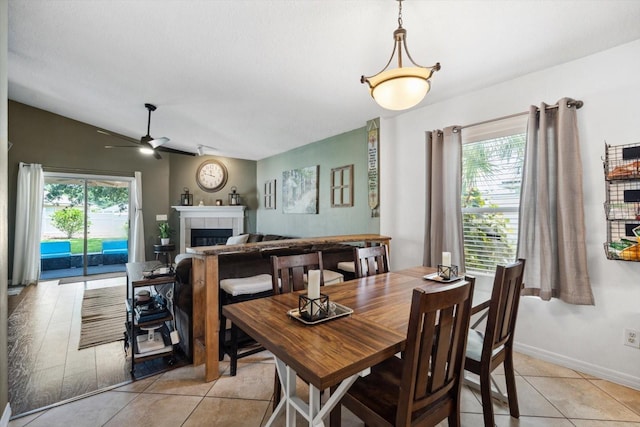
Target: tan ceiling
254 78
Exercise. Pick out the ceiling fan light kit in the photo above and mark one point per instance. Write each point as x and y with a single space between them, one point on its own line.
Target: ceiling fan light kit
147 144
402 87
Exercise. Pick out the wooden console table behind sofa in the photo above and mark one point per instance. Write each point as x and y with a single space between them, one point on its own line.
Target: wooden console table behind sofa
205 288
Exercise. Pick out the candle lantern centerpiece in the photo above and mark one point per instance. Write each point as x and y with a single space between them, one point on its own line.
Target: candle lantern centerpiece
186 198
312 309
446 270
234 197
314 305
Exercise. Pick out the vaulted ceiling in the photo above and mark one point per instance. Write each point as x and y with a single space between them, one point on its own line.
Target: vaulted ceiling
254 78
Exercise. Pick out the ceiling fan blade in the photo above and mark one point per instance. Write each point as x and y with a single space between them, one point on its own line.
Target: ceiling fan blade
174 151
117 135
153 152
120 146
155 143
147 144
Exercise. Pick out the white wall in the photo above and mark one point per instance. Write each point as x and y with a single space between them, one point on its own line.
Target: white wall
590 338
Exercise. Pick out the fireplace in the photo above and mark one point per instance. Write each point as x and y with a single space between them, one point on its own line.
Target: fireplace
220 222
210 236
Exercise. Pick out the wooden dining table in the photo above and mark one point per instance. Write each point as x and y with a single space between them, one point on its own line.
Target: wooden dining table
333 353
205 280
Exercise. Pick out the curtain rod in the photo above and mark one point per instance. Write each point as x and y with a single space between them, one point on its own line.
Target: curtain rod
571 103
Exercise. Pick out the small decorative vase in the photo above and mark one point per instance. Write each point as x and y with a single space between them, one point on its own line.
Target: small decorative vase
165 242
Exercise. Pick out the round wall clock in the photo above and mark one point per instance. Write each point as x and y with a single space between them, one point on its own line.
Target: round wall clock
211 175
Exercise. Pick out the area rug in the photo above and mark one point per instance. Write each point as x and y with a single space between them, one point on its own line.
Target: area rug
103 316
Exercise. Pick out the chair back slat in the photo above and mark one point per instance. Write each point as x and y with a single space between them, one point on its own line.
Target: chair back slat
441 350
287 272
423 380
371 260
503 309
436 343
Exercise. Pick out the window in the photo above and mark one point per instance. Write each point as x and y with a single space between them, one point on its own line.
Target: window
492 161
342 187
270 194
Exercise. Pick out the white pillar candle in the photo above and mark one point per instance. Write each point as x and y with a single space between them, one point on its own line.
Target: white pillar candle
446 259
313 284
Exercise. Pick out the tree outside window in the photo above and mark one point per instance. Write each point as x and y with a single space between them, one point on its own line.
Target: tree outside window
491 180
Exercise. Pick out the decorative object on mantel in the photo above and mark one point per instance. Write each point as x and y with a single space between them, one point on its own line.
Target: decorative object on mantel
403 87
218 202
234 197
186 199
165 232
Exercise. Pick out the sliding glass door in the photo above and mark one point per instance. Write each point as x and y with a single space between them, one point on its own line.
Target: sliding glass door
85 225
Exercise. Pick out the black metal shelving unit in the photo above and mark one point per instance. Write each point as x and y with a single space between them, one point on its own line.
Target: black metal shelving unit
622 204
138 327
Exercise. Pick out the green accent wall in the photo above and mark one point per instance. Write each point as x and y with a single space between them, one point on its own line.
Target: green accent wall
340 150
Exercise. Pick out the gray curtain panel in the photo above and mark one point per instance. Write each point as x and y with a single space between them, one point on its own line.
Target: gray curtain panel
552 231
443 227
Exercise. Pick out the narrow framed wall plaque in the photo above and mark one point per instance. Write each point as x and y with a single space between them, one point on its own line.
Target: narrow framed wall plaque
270 194
372 163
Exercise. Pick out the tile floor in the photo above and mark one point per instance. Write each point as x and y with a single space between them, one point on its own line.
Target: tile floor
45 365
549 395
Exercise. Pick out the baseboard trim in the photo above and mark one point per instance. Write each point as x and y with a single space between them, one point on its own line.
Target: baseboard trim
579 365
4 421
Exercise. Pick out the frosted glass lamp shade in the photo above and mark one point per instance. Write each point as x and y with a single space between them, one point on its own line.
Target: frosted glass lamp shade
400 88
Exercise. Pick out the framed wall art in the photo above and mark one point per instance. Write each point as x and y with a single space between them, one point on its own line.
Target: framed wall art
342 187
300 190
270 194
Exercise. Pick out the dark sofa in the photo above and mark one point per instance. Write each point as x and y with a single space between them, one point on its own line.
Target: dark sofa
236 265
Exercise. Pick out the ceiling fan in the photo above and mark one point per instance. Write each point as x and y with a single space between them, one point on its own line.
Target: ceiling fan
147 144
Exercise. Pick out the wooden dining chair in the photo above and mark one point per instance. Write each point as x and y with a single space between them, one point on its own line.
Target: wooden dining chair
288 272
371 260
487 349
424 387
287 275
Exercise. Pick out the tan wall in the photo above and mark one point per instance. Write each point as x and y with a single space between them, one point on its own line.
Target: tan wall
242 175
64 145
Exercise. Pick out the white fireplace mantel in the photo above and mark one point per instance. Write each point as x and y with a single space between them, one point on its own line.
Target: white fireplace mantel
208 217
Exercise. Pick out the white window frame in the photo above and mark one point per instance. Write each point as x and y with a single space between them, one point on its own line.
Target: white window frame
487 131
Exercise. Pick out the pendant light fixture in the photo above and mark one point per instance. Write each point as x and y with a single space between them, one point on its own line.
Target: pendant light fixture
403 87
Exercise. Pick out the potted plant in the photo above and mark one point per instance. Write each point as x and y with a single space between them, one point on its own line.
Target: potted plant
165 233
